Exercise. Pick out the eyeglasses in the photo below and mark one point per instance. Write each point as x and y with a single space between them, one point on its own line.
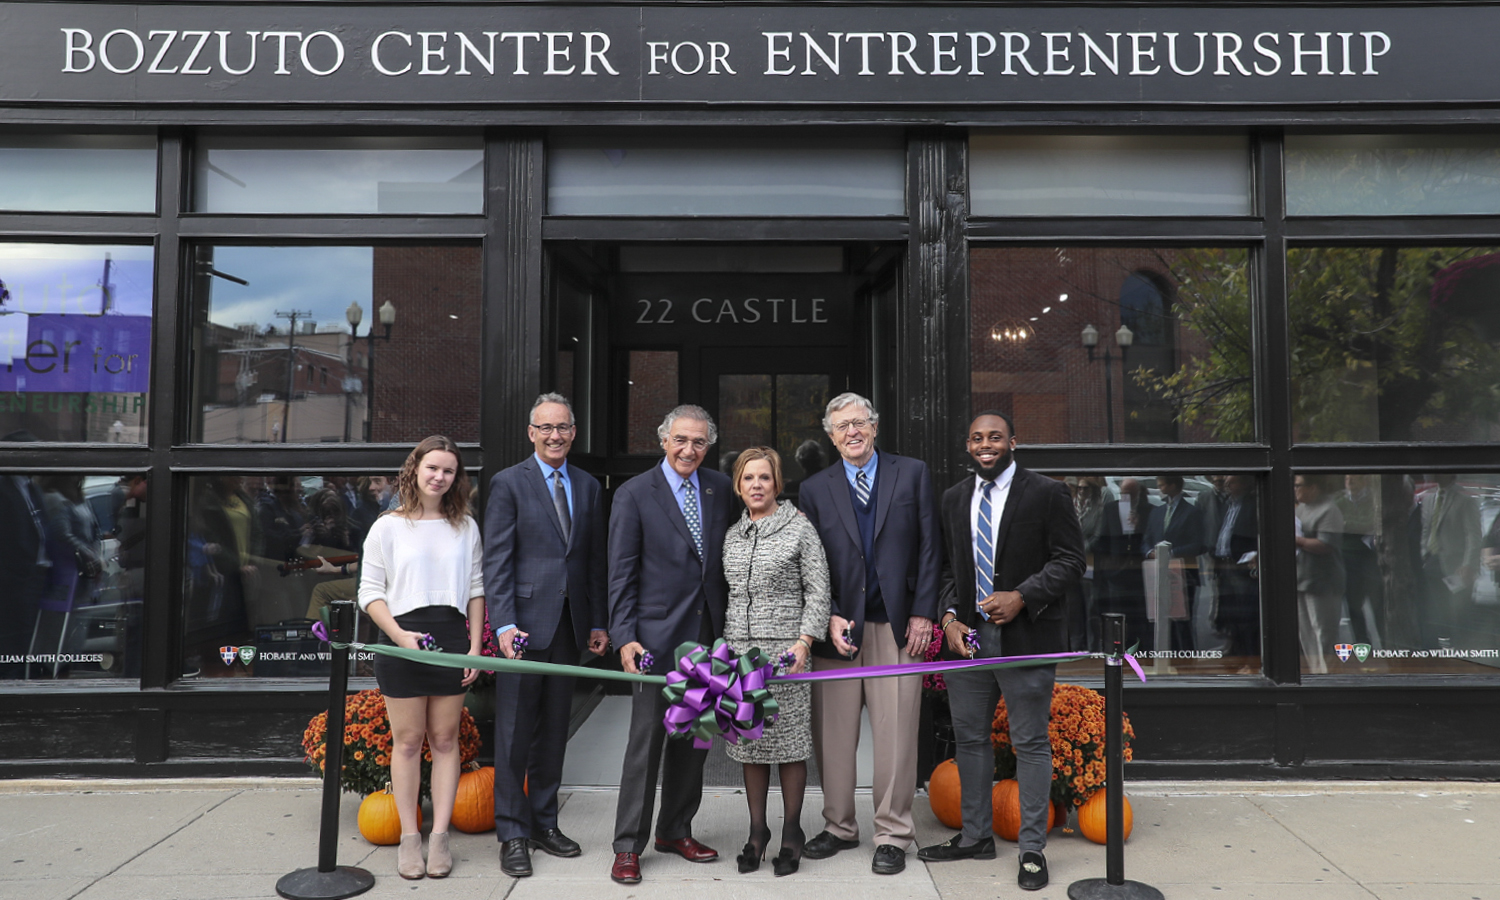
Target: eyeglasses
847 424
563 430
680 442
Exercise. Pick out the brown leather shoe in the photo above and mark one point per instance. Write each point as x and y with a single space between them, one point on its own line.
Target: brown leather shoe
688 849
627 868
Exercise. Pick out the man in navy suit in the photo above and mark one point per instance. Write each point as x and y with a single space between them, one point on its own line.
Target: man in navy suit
544 579
877 518
666 587
1178 522
1015 550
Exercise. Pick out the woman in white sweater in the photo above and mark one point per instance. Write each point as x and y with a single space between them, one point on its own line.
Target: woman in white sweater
421 575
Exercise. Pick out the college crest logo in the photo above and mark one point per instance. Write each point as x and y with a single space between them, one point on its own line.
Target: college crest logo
247 655
229 654
1361 652
1343 651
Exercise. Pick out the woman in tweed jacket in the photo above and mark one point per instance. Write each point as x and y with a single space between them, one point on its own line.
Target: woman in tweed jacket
778 601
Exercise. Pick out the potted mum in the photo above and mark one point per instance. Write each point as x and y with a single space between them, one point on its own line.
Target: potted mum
1077 734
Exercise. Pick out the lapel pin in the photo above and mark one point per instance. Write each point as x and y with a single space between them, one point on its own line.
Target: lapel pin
708 490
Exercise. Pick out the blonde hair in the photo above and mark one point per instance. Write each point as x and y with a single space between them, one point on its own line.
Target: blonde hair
455 502
751 455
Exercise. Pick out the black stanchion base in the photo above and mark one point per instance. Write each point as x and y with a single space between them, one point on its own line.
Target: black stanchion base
1101 889
310 884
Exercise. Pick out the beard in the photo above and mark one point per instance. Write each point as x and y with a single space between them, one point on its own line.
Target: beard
990 473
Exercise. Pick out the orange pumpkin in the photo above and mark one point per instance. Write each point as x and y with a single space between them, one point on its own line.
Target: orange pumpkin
378 820
474 807
1006 798
1093 821
944 795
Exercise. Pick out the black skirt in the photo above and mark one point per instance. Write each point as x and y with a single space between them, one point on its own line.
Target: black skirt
403 678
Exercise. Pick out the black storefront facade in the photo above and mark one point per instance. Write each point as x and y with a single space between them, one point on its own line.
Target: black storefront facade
252 252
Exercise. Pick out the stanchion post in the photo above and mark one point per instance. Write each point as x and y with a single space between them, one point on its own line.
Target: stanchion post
1113 885
330 881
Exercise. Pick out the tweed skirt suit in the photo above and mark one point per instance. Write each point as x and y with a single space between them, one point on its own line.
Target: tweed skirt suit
778 591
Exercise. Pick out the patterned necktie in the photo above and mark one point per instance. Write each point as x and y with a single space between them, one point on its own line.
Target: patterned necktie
862 489
984 546
560 500
690 512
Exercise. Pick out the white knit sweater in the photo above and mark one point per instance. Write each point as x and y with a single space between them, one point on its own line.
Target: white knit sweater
410 564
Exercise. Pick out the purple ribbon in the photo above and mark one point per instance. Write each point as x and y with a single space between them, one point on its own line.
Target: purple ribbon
922 668
320 631
717 692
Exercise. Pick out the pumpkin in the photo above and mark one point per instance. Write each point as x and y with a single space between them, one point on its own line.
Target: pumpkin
474 806
378 820
944 794
1006 798
1093 821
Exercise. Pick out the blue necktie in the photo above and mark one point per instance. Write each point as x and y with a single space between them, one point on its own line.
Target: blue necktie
984 545
690 512
862 489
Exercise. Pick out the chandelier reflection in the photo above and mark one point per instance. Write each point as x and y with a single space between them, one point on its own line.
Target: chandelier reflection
1012 334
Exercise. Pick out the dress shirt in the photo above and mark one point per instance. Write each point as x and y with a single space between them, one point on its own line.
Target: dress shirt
1221 549
567 480
675 482
852 471
998 495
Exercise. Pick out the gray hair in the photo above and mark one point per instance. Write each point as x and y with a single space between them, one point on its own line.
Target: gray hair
551 398
688 411
844 400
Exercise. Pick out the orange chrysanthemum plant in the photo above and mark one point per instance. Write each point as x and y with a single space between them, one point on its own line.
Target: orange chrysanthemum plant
367 744
1077 733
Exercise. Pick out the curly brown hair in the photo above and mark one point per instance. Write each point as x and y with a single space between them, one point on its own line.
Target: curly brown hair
455 503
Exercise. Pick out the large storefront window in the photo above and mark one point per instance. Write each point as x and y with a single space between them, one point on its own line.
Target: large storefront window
73 567
762 172
1395 343
75 342
265 554
1179 557
1114 344
335 344
370 175
78 173
1397 573
1109 175
1392 174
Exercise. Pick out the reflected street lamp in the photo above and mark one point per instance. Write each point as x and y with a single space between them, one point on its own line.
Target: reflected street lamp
1123 339
354 314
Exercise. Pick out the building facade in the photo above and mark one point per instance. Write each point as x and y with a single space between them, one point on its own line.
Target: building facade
1232 268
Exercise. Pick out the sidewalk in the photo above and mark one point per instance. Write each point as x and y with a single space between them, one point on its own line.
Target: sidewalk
233 838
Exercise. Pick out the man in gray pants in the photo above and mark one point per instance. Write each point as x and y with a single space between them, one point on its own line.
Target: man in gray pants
1015 549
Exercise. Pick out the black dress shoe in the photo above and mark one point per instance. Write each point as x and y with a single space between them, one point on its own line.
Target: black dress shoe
1033 873
824 845
554 843
889 860
952 849
515 859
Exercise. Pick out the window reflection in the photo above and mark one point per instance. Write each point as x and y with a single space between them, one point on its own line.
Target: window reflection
1397 572
265 555
1395 343
75 342
1114 344
1392 174
78 173
383 175
72 559
650 393
335 344
1178 557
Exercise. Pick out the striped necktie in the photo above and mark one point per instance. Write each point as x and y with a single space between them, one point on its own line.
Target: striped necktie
862 489
984 546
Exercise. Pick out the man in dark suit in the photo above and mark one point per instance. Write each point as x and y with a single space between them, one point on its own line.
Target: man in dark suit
1117 559
544 578
1015 549
24 566
666 587
1236 567
1178 522
876 517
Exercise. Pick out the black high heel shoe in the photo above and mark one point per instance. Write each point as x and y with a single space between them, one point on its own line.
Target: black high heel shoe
789 860
750 858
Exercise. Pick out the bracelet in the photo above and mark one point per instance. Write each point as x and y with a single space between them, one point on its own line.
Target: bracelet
344 568
804 644
944 626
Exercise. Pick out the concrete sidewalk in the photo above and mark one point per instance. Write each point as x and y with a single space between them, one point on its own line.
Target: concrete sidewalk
233 838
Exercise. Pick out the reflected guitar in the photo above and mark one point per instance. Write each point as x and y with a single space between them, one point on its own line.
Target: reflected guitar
298 566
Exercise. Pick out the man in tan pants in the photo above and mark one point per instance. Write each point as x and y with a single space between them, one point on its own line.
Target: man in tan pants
877 517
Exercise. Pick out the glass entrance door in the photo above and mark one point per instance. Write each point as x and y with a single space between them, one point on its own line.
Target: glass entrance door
774 397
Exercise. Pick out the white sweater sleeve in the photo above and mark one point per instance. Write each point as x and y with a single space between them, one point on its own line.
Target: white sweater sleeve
372 576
